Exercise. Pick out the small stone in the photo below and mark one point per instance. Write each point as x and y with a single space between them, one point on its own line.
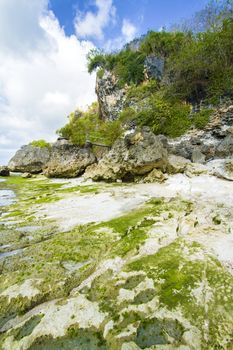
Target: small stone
198 156
155 176
177 164
26 175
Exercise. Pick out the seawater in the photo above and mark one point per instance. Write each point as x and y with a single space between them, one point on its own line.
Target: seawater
6 196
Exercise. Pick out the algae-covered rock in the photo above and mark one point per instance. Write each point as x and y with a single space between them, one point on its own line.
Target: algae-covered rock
29 159
135 154
68 160
156 275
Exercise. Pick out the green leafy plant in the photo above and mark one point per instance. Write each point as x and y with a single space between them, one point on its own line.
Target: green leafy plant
87 126
201 118
40 143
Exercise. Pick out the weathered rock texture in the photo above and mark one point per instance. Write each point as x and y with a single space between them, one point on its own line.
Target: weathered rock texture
29 159
177 164
214 141
68 160
4 171
111 98
134 155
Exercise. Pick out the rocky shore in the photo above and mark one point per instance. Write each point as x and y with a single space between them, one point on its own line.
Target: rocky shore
138 155
117 266
141 259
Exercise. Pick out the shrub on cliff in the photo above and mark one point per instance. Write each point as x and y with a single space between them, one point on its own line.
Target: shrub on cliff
163 44
83 126
40 143
162 116
127 65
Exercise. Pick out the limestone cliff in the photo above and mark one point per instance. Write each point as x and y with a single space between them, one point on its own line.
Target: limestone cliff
110 96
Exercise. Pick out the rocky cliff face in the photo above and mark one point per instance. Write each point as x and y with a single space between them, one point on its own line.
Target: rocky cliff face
214 141
111 98
154 67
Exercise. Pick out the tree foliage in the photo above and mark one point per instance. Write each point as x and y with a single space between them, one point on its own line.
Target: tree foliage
87 126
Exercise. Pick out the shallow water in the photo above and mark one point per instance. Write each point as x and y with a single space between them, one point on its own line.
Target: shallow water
11 253
6 197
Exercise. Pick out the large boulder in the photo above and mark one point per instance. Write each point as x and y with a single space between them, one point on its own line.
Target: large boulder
134 155
68 160
29 159
4 171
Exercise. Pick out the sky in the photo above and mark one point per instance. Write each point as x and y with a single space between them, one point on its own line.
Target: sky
43 48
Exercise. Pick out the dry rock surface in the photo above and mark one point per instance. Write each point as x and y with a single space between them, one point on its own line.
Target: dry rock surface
136 154
67 160
29 159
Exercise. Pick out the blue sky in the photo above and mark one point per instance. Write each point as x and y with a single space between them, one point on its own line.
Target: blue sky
144 15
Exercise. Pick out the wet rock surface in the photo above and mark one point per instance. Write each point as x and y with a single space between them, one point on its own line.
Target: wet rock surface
4 171
158 272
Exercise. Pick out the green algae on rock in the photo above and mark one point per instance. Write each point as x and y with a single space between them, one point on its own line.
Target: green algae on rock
149 278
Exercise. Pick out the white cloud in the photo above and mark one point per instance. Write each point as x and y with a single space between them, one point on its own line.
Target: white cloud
43 74
128 33
92 24
19 29
128 30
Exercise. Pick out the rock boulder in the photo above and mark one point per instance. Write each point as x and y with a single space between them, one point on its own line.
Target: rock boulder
29 159
4 171
177 164
136 154
68 160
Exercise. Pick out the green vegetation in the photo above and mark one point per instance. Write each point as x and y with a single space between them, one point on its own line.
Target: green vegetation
40 143
173 288
197 66
201 118
85 126
163 116
163 44
128 65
